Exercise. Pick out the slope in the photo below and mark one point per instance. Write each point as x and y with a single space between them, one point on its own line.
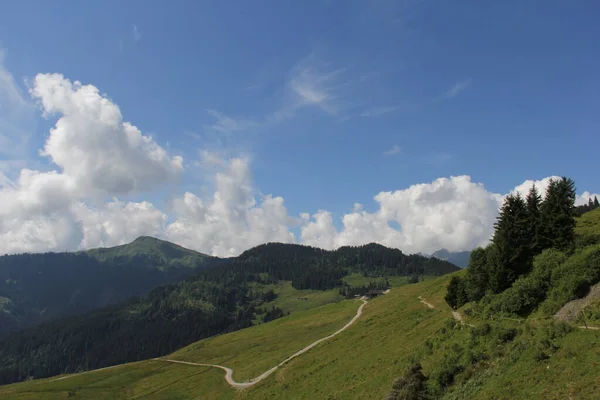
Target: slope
394 331
41 287
230 296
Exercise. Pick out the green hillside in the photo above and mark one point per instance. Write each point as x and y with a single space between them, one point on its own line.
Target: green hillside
150 252
35 288
394 331
262 284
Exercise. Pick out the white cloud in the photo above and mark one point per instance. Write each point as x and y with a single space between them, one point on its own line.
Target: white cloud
97 155
117 222
314 85
136 34
395 149
457 88
540 185
94 146
16 115
378 111
452 213
228 124
231 220
585 197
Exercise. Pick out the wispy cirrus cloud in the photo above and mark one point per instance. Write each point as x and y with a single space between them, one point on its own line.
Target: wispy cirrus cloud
378 111
395 149
457 88
16 116
312 86
137 35
227 124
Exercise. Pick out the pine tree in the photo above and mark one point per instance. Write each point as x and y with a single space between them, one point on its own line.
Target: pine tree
596 204
558 214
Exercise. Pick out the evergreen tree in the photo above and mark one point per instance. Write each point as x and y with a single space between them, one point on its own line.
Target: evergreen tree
499 277
512 239
477 275
596 204
558 214
534 220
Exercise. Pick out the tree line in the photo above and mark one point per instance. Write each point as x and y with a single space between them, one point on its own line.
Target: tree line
524 228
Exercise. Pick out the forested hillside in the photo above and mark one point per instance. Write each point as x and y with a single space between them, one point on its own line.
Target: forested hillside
219 299
39 287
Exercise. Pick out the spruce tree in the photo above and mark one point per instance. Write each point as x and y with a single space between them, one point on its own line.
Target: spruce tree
534 220
596 204
512 241
512 237
477 275
558 214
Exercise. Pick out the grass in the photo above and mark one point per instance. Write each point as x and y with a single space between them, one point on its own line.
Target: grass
504 359
288 298
360 280
142 380
252 351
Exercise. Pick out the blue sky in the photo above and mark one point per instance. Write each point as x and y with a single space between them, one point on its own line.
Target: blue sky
332 101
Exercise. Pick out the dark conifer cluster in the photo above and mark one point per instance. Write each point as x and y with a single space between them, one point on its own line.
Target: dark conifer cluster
524 228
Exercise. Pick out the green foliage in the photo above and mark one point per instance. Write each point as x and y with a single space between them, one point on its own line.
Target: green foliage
512 240
523 230
456 295
558 211
410 386
587 231
531 290
573 278
46 286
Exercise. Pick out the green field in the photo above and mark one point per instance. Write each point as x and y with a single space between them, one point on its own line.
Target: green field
252 351
361 362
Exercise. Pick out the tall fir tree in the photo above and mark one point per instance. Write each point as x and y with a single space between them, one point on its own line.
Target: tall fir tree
534 220
477 279
558 214
512 239
596 204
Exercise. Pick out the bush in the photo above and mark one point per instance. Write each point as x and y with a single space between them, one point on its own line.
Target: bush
456 295
573 279
411 386
528 292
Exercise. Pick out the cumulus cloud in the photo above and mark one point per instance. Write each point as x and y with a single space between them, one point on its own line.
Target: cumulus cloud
94 146
232 219
118 222
452 213
97 155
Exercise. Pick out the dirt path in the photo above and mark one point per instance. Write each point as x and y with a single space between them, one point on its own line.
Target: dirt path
422 300
85 372
254 381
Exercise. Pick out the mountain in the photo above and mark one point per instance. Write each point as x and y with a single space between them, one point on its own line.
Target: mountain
492 359
223 298
39 287
459 258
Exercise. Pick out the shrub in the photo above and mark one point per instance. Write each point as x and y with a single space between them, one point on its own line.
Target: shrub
529 291
411 386
573 278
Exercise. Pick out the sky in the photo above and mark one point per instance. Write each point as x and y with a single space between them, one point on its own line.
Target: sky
224 125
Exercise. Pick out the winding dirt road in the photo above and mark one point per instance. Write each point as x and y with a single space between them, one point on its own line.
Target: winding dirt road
254 381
